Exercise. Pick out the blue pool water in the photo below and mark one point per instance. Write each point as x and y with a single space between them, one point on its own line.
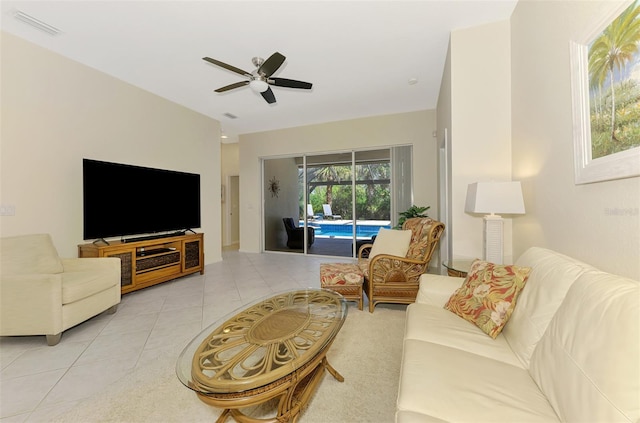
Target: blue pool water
345 230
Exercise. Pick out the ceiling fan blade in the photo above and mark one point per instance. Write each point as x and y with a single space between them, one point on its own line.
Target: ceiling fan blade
290 83
271 64
269 96
232 86
226 66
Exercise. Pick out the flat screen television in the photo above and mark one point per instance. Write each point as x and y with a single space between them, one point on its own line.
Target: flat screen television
121 200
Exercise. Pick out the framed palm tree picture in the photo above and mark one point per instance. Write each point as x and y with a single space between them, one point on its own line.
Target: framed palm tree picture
606 98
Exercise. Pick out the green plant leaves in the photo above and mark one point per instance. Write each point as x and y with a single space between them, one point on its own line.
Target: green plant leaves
411 212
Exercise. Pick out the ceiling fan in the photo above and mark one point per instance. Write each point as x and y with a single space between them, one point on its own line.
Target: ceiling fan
260 79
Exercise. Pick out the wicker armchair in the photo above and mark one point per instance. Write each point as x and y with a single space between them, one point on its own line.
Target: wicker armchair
391 279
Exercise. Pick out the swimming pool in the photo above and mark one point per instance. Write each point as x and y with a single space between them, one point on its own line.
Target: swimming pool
364 229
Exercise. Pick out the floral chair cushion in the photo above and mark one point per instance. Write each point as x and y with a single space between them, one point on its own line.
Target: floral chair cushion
420 230
340 274
488 295
363 264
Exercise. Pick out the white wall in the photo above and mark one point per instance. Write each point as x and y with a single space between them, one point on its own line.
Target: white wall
474 105
415 128
56 112
444 135
573 219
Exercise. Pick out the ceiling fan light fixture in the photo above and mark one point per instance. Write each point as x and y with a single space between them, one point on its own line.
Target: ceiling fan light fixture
258 85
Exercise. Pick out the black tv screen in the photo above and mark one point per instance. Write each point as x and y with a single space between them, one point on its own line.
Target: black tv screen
121 200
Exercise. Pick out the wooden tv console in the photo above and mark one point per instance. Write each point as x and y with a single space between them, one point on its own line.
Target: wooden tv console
152 261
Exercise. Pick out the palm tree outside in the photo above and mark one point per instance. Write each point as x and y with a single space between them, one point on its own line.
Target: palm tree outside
331 184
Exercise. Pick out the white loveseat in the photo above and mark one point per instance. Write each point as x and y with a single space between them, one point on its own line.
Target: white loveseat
42 294
570 351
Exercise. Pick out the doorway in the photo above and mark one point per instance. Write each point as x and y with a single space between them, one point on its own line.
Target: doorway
234 209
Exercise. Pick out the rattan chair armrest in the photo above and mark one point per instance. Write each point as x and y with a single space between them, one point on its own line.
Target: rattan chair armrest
362 248
390 257
411 267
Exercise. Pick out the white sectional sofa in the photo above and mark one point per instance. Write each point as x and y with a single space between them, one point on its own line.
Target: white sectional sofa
570 351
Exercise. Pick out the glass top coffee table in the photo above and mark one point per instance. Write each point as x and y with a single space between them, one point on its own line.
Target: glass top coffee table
275 347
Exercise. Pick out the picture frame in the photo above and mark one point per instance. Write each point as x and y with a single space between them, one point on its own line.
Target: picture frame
611 164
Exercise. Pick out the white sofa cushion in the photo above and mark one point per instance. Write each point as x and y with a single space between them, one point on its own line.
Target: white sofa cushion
448 384
437 289
29 254
440 326
588 361
79 285
551 277
407 416
84 277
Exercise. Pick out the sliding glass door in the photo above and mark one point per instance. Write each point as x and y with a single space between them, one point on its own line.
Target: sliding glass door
330 196
373 195
331 204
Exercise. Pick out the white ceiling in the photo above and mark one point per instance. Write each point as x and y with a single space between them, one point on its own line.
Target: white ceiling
359 55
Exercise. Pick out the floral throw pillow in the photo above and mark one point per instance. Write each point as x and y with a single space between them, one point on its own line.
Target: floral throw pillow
488 295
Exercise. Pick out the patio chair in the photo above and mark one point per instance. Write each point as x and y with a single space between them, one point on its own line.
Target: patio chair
393 279
326 208
295 235
310 214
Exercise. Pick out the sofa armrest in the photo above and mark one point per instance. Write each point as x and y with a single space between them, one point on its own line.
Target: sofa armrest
31 304
436 289
91 264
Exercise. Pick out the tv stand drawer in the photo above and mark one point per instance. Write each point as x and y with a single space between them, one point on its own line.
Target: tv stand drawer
145 279
145 264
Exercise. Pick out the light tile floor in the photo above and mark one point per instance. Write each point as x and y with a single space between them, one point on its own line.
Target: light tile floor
39 383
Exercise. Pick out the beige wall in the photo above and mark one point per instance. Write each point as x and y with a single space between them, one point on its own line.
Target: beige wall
56 112
577 220
474 104
415 128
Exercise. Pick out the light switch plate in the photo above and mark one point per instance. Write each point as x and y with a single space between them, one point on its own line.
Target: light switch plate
7 210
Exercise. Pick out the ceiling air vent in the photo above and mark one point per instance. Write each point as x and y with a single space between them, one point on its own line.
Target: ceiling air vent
230 116
36 23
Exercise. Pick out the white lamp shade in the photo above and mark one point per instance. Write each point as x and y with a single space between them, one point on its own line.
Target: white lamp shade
494 197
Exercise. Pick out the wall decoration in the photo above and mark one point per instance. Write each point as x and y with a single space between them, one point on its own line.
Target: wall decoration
274 186
605 78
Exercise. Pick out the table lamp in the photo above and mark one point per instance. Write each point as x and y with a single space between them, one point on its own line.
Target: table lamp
492 198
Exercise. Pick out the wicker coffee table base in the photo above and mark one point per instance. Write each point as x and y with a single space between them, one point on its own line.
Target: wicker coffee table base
294 391
274 350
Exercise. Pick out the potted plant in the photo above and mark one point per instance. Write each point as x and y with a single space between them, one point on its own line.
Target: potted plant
413 211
